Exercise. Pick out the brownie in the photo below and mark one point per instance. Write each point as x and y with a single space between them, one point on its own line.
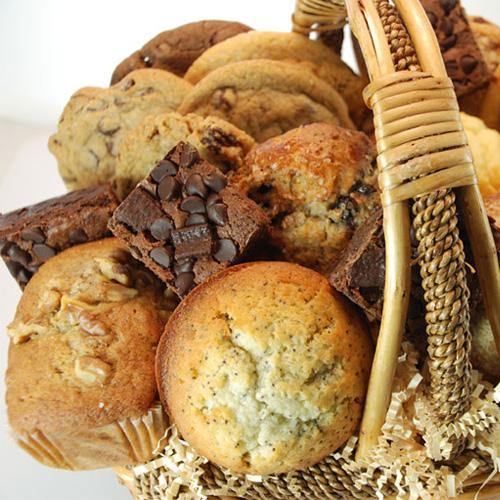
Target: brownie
185 223
464 62
31 235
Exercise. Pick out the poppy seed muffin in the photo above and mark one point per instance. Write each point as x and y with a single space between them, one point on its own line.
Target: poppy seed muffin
263 368
317 184
81 390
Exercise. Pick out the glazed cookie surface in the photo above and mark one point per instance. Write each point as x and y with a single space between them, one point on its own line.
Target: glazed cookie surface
217 141
266 98
317 57
175 50
95 121
317 184
264 368
81 359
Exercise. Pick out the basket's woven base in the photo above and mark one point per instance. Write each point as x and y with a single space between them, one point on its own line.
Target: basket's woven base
403 464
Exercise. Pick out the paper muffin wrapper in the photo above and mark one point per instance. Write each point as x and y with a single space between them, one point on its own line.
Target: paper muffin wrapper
127 441
409 460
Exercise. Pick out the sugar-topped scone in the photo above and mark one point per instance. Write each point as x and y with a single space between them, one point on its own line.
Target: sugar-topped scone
266 98
95 121
217 141
317 184
81 388
320 59
264 368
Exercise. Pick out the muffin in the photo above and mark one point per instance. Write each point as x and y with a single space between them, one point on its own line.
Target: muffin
317 184
264 368
81 390
175 50
266 98
318 58
485 145
95 121
484 355
217 141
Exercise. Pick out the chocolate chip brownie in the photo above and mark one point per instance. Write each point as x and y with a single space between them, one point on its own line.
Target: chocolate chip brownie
463 59
32 235
175 50
317 184
95 121
321 60
216 140
185 223
266 98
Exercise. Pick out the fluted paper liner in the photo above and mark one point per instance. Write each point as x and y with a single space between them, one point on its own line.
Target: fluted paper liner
126 441
400 465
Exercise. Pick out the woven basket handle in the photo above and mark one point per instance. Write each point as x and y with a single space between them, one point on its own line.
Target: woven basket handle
423 154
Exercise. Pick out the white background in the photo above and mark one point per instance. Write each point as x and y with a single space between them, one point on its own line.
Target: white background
48 49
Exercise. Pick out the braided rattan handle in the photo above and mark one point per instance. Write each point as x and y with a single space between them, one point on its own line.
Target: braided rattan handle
318 16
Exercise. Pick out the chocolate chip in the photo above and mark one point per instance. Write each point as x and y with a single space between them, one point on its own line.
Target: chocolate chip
226 251
194 185
215 181
164 168
4 246
43 252
447 26
160 229
184 282
213 198
18 255
448 5
78 236
449 42
192 241
193 205
23 276
468 64
217 213
194 219
147 62
362 188
264 188
189 156
168 189
161 256
433 19
33 234
183 266
13 267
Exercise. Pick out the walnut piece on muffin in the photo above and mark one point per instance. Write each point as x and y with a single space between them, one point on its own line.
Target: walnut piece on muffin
317 183
264 368
81 389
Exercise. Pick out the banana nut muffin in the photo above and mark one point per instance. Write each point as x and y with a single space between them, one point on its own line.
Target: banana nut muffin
81 387
317 57
266 98
217 141
95 121
264 368
317 183
175 50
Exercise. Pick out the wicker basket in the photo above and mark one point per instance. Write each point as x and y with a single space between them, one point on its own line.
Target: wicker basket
425 167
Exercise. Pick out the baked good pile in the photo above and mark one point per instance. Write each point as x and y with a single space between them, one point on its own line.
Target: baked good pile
217 265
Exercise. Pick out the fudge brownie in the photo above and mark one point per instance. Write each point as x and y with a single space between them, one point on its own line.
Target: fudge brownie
185 223
464 62
31 235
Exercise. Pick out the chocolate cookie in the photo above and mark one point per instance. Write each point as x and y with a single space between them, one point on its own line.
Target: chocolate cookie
463 59
321 60
95 121
185 223
175 50
217 141
266 98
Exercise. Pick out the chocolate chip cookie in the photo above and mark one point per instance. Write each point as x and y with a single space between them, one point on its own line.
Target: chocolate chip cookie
175 50
217 141
95 121
266 98
321 60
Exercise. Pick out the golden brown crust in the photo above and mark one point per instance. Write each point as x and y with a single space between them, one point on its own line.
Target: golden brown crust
82 352
266 98
264 368
487 36
492 204
317 185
